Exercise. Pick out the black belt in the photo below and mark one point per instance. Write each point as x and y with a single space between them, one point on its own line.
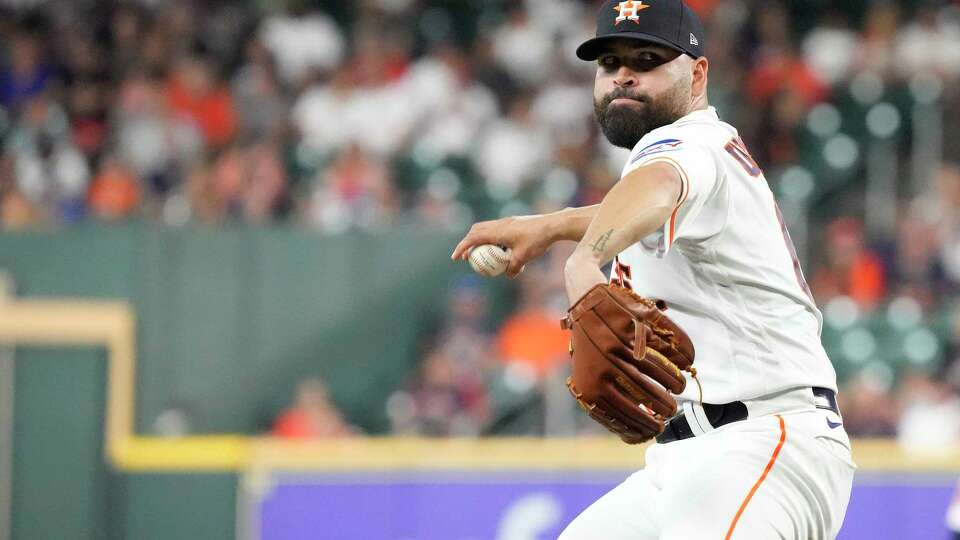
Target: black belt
678 428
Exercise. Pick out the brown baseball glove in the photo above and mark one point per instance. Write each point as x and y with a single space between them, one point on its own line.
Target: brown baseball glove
627 361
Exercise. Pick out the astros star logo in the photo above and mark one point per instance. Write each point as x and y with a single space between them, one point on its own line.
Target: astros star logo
629 10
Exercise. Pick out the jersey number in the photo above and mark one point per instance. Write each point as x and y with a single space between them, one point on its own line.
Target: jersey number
622 276
793 253
739 151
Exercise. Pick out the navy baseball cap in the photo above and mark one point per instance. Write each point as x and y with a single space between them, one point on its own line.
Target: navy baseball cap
670 23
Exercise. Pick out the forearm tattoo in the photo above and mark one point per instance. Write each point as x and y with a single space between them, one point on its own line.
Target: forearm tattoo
601 243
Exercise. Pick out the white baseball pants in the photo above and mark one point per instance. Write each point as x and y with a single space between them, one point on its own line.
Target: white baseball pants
783 473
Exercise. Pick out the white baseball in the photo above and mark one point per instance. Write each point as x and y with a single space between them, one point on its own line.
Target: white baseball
489 260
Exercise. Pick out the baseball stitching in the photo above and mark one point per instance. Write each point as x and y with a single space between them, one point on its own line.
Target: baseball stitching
489 258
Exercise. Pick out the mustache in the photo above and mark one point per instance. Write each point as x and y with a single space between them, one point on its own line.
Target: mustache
624 93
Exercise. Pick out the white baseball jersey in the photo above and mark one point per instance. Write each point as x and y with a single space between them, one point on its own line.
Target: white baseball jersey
725 265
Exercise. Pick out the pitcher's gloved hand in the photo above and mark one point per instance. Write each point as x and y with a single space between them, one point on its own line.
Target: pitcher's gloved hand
628 359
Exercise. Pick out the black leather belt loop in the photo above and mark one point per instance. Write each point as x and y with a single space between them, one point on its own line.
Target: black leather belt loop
678 428
826 399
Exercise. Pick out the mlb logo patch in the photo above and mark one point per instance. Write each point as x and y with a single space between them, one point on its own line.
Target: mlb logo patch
659 147
629 11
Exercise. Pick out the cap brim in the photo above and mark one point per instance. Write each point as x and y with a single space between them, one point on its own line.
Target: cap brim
590 49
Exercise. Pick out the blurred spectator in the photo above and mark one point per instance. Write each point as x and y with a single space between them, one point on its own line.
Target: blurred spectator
114 192
778 66
915 269
261 105
320 112
930 415
148 139
359 106
945 205
780 84
87 93
951 117
830 49
449 395
27 74
561 12
531 338
704 8
379 116
524 48
784 88
88 117
597 180
128 25
456 108
930 44
875 50
464 334
195 95
246 182
850 268
152 52
302 42
783 114
266 183
313 415
175 420
16 211
48 168
867 407
492 74
439 402
513 151
356 190
565 109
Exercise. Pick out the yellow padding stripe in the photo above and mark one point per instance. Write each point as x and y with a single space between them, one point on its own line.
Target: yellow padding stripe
433 454
190 454
234 453
112 326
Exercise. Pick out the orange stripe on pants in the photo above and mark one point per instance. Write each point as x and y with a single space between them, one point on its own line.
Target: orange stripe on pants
773 459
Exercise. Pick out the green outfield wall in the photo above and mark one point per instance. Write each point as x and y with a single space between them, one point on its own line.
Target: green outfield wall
227 321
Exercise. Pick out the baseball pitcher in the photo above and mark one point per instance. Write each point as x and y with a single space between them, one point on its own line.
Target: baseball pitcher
704 337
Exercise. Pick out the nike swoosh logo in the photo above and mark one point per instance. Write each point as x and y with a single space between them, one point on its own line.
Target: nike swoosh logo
833 425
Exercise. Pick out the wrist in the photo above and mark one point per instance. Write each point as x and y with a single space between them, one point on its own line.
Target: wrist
550 225
558 225
580 275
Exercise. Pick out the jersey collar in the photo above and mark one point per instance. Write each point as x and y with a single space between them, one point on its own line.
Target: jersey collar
708 114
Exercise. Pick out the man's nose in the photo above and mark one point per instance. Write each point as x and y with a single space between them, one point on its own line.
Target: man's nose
626 78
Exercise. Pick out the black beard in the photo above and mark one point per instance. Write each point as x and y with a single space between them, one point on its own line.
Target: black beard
624 126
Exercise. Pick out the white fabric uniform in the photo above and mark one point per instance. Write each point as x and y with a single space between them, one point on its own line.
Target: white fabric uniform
953 512
725 266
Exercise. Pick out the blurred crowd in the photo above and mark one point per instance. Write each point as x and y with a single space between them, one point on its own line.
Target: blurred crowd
371 114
